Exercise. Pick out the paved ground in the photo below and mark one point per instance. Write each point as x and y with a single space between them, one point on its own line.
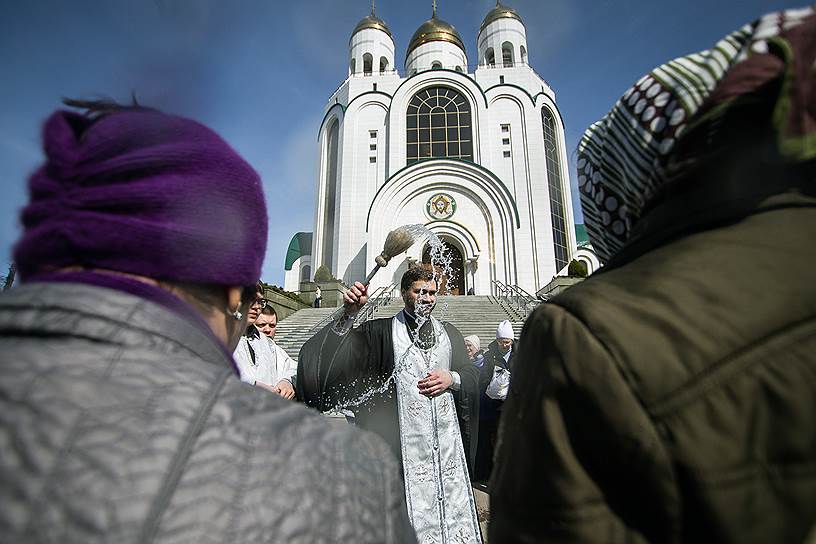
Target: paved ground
482 510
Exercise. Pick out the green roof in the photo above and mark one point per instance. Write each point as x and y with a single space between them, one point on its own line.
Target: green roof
300 245
581 236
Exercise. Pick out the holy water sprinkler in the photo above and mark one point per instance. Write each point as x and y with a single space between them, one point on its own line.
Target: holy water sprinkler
398 241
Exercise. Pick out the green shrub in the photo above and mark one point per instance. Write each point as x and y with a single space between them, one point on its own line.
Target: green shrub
281 291
577 269
323 274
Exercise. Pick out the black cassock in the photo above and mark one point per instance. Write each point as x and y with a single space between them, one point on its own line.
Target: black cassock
333 369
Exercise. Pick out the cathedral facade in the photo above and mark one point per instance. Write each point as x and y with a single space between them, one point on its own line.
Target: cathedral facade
478 156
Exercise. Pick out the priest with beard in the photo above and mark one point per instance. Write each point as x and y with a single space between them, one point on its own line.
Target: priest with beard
408 379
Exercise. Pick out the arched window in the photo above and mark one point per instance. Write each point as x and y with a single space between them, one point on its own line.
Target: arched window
436 65
331 193
352 66
523 54
438 124
458 69
507 54
305 273
383 64
368 61
557 206
490 57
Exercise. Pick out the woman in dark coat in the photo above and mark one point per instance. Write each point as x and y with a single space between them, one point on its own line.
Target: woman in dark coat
671 397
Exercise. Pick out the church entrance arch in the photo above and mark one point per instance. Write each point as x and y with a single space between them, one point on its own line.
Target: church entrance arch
455 283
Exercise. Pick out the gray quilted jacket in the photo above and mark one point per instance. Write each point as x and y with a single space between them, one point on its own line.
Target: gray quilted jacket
122 422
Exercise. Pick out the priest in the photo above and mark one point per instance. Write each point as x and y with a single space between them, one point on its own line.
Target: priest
408 379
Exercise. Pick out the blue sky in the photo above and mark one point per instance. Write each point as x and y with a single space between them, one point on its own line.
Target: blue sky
260 71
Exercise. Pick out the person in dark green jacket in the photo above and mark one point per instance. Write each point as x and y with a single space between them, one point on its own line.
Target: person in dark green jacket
671 397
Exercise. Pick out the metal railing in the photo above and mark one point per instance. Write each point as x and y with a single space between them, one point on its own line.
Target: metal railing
515 298
378 298
381 297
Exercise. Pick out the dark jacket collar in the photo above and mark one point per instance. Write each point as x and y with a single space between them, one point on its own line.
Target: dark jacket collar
713 197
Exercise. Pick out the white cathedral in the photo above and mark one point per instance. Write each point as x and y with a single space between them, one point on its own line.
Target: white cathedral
478 157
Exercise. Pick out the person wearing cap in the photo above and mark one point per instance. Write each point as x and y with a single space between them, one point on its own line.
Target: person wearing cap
494 382
671 396
123 418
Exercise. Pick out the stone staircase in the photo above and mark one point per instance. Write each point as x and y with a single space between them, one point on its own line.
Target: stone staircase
293 331
479 315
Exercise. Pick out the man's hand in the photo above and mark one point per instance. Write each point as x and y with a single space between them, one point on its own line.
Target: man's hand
285 389
355 298
435 383
271 388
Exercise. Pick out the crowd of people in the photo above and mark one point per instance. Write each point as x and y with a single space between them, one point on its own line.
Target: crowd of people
668 398
261 362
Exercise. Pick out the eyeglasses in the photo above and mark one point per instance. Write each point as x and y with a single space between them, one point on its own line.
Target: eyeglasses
251 292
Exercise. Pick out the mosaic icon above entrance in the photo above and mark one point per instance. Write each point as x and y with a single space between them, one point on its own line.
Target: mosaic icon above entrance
440 206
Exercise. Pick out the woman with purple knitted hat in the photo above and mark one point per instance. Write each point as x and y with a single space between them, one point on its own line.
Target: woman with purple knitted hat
671 396
123 418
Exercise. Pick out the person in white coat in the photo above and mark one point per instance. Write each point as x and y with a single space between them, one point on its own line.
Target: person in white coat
261 361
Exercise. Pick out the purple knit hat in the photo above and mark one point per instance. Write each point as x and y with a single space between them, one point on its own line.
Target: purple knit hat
146 193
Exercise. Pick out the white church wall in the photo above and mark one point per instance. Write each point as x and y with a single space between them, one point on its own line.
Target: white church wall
360 181
539 196
512 108
521 76
446 54
483 209
544 218
375 43
291 280
496 34
338 97
473 225
375 83
505 109
293 277
321 200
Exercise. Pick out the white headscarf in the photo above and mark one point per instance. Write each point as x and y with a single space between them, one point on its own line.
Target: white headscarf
473 339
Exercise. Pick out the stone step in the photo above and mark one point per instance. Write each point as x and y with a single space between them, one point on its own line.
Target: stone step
479 315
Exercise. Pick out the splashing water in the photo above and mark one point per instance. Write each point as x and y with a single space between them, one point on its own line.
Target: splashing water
441 264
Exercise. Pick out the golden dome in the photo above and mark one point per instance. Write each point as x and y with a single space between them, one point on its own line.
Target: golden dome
435 30
372 21
500 12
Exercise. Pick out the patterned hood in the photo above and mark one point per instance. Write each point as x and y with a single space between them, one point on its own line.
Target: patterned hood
680 112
